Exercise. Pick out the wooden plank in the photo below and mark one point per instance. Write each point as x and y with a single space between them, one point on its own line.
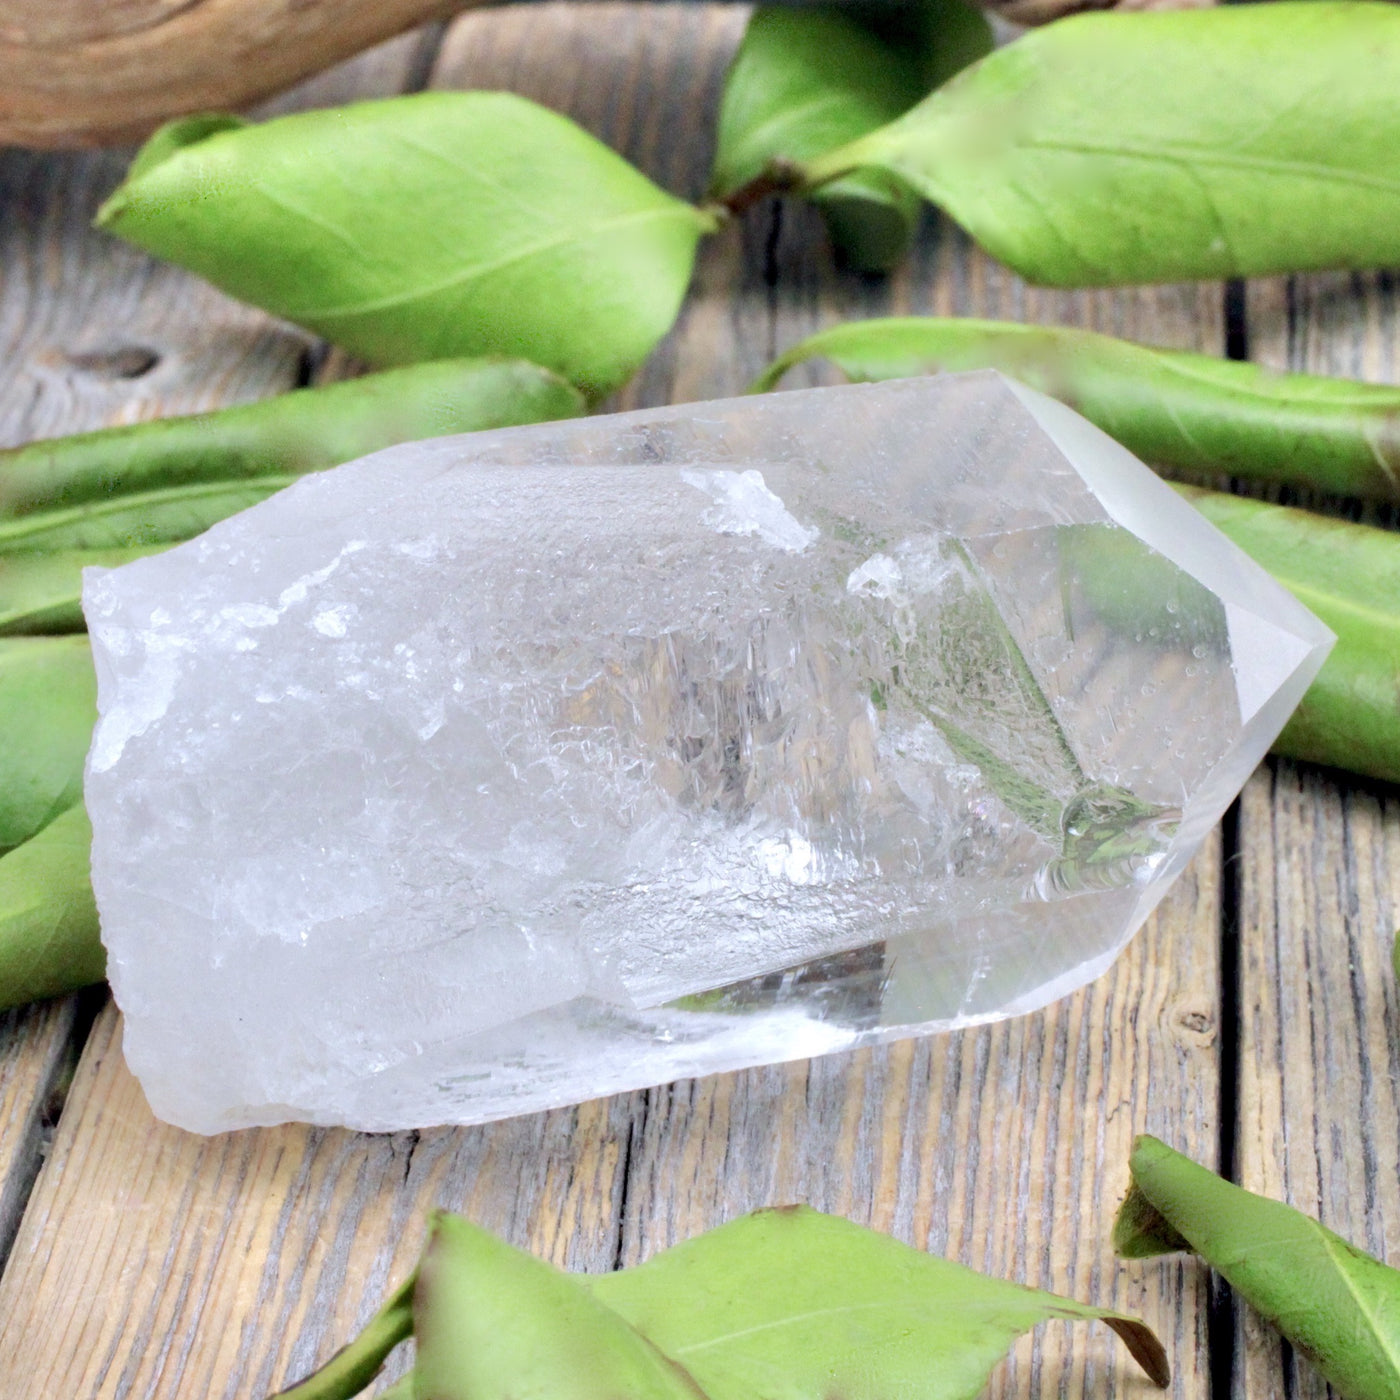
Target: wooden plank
94 333
155 1263
1318 1112
152 1263
38 1049
1006 1146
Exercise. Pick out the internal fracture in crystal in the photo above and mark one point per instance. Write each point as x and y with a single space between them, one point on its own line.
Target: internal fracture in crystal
497 772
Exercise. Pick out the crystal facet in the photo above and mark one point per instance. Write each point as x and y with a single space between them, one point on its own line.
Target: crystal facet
497 772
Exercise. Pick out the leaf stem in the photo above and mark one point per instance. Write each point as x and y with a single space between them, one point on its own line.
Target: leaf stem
831 166
777 177
357 1363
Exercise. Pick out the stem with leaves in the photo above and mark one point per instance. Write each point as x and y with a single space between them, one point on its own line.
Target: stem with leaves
825 1305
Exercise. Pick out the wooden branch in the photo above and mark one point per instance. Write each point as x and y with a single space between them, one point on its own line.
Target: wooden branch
104 72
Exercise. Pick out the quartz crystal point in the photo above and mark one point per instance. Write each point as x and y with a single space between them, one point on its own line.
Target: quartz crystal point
497 772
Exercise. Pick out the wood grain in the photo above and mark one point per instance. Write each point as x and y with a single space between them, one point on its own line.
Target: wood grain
1318 1109
151 1263
1004 1147
38 1049
93 333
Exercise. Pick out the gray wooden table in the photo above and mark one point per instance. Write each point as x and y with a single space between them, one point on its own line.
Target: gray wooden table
1253 1024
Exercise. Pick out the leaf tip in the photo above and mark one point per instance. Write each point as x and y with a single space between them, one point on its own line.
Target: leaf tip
1145 1347
1147 1152
110 208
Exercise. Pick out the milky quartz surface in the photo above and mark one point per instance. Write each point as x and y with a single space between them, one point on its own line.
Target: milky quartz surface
502 771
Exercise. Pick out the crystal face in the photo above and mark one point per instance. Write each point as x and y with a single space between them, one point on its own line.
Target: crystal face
496 772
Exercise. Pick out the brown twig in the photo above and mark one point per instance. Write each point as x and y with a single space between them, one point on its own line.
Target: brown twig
777 177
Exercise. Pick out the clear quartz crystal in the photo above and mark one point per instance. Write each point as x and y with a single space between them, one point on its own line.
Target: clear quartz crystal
497 772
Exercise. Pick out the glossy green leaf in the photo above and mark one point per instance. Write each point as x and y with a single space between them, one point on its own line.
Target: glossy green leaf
170 479
494 1323
48 705
1149 147
1190 412
795 1304
48 922
1349 575
41 593
1336 1305
433 225
786 1304
807 79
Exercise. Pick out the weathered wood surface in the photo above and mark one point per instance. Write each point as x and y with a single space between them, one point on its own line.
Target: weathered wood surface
1317 1110
38 1051
93 334
150 1263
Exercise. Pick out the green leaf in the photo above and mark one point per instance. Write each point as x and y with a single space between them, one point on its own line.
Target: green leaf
791 1304
1190 412
1349 575
176 135
1112 148
433 225
40 593
48 922
170 479
493 1321
136 519
48 705
805 80
785 1304
1338 1306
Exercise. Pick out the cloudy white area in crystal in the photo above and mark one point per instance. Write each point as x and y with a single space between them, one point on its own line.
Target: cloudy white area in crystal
498 772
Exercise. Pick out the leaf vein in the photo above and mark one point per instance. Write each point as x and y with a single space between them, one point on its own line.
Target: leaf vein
1204 156
1383 1340
475 271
